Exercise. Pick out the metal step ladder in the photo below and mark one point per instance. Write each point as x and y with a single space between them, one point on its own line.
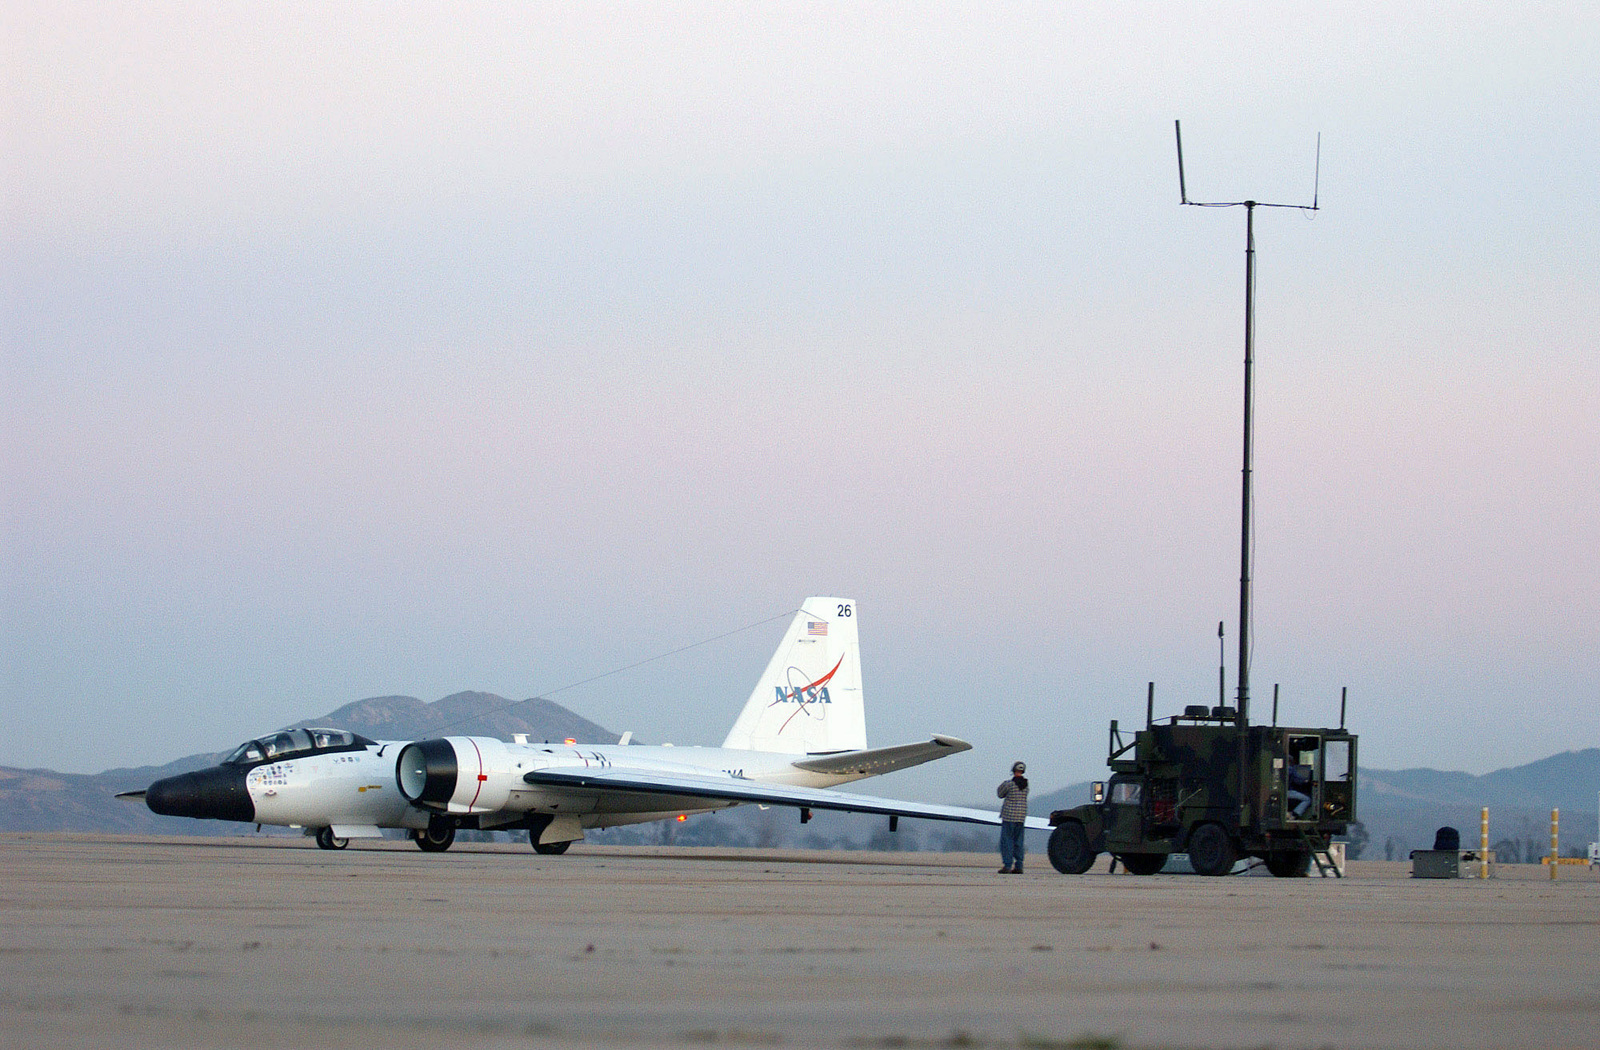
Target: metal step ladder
1321 855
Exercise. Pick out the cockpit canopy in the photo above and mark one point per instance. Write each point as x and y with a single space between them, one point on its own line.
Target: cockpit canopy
293 743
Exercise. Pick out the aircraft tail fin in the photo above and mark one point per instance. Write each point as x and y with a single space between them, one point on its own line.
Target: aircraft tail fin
809 699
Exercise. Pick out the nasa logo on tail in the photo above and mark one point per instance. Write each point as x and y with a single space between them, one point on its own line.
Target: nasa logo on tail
802 695
811 692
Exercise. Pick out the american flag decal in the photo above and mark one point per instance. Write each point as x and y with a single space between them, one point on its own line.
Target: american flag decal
817 628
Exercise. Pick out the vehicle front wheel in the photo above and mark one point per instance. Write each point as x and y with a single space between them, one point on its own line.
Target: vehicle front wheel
1144 863
327 840
1211 851
438 837
550 849
1069 849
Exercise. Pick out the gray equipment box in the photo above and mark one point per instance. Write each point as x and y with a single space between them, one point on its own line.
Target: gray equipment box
1449 863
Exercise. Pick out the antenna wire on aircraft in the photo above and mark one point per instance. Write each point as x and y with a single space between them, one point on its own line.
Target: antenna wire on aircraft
638 663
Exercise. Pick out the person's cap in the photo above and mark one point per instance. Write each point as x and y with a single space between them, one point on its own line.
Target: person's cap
1019 767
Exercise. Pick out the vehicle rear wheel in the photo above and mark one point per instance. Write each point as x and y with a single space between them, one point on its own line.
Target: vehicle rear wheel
327 840
1211 851
1069 849
1143 863
437 838
1289 863
549 849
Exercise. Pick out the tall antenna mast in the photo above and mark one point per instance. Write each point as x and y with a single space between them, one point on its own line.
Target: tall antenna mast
1245 521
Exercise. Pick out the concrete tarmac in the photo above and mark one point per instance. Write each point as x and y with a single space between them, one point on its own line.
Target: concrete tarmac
266 942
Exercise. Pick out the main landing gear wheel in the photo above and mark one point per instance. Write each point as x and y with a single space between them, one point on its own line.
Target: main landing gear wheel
1290 863
437 838
1144 863
327 840
1069 849
1211 851
549 849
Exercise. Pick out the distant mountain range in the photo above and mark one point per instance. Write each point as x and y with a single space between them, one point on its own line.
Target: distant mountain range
1408 805
1399 809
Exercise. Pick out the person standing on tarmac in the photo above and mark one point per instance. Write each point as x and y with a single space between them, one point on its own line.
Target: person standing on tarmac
1013 813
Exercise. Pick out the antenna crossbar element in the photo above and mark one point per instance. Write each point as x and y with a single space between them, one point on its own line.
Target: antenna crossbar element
1183 189
1246 514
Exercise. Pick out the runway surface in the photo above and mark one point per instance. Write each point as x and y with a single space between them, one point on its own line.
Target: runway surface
270 942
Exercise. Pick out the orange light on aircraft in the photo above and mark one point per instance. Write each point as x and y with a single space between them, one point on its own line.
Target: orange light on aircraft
570 740
682 817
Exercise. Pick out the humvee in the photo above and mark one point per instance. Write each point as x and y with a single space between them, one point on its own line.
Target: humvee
1209 784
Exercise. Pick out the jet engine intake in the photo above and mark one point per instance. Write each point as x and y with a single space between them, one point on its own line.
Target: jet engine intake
427 772
456 774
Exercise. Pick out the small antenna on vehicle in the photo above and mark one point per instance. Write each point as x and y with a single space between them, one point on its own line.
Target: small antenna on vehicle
1245 519
1222 668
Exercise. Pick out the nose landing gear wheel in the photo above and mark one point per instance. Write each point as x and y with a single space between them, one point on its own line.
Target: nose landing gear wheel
550 848
327 840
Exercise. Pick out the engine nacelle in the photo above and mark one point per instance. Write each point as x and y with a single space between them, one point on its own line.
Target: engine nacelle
457 774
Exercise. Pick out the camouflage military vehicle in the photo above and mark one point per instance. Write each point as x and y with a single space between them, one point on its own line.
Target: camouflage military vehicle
1209 784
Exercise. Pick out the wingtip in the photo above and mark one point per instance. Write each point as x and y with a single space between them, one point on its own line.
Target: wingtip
953 743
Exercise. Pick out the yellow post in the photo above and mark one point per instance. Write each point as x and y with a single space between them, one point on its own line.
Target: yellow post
1555 842
1483 844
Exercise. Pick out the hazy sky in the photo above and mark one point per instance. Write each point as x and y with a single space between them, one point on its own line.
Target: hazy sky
353 350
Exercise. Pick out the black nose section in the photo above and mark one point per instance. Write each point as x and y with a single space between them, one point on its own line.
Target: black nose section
217 793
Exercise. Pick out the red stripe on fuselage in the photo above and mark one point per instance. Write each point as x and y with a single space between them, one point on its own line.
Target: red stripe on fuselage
481 777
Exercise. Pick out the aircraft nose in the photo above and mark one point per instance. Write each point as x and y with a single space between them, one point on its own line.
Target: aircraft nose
217 793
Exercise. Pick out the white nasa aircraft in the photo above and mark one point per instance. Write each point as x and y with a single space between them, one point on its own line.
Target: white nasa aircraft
802 732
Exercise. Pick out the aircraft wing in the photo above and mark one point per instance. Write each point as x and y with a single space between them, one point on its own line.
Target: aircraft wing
883 759
736 789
